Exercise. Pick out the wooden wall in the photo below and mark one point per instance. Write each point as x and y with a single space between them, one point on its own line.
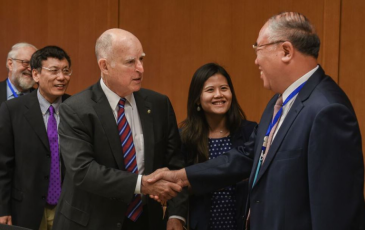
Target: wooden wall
71 24
179 36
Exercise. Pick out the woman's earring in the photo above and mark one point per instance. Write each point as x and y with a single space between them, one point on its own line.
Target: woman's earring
198 108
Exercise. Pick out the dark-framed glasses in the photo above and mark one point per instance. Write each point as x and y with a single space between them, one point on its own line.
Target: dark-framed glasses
24 63
56 71
255 46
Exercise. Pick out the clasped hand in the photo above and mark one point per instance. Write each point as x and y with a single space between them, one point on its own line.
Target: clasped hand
163 184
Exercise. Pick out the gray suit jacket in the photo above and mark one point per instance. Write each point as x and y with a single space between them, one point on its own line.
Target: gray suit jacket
97 189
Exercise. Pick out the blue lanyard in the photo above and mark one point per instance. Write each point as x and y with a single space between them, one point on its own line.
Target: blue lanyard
272 124
11 88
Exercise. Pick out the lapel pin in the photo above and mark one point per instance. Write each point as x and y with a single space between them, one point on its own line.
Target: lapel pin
149 111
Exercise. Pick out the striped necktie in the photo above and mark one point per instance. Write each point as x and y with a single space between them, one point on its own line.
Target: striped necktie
134 209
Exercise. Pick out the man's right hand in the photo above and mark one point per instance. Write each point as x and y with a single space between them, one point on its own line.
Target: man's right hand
178 177
163 189
6 220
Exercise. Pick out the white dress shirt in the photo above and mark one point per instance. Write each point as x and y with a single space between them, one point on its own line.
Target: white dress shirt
134 122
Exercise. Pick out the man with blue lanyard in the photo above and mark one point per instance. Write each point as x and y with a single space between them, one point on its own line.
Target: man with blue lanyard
19 81
30 168
308 171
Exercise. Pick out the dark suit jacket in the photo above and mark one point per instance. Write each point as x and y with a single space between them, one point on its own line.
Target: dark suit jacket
97 189
199 205
24 161
3 94
313 175
3 91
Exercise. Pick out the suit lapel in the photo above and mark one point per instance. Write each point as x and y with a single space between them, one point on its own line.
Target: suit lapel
33 114
145 110
297 107
263 126
293 113
107 120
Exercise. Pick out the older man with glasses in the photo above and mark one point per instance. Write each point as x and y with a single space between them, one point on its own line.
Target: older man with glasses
19 81
308 170
30 168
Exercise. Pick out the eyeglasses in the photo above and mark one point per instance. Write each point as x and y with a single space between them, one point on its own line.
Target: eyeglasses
255 46
23 62
55 71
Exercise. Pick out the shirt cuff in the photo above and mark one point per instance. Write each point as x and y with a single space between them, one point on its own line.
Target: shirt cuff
137 190
178 217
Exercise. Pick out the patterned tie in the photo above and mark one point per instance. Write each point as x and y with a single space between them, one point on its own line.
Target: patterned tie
134 209
278 104
54 187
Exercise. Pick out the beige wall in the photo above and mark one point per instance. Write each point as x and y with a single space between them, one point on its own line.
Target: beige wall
181 35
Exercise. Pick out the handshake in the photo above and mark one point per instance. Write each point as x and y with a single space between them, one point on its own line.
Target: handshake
163 184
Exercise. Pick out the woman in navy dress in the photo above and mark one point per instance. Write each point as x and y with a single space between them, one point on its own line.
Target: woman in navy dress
215 124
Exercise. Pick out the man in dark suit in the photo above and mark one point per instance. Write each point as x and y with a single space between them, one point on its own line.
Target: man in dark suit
30 180
312 175
19 81
99 190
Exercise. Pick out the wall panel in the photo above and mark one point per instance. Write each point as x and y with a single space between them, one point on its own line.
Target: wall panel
352 56
72 25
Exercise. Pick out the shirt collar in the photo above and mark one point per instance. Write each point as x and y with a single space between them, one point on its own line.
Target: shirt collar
45 104
9 93
298 82
113 98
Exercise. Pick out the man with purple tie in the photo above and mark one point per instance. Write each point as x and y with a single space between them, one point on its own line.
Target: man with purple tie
30 168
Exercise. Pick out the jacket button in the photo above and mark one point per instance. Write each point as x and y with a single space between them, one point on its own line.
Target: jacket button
46 177
119 225
257 201
43 197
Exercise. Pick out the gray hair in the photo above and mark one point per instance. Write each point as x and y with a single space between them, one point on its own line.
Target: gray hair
103 46
15 49
295 28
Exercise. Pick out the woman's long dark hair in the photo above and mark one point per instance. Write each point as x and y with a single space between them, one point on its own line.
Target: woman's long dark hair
194 129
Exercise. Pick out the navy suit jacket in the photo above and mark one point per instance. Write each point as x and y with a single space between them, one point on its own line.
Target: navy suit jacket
24 160
199 204
313 175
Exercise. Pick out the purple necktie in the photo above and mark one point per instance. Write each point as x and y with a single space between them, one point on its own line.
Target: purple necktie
54 187
134 209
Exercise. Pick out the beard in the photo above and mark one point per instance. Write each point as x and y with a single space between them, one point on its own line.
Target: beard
23 82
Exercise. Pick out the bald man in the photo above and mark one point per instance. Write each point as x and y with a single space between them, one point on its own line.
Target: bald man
19 81
111 136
